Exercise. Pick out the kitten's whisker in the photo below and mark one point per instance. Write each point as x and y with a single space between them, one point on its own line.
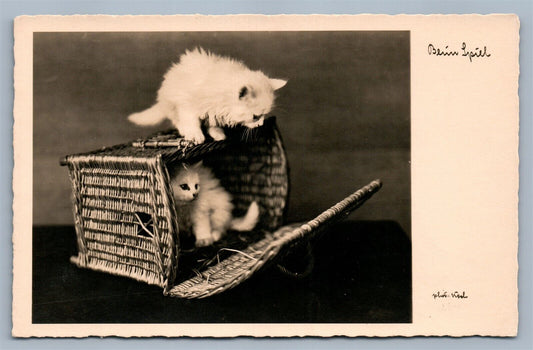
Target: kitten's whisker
253 134
246 134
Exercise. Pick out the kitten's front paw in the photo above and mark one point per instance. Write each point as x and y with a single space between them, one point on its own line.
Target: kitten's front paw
217 235
204 242
195 136
216 133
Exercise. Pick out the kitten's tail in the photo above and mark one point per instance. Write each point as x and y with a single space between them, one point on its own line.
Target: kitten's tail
151 116
248 221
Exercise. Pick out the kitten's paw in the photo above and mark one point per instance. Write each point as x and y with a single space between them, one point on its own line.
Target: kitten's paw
216 133
204 242
195 136
216 235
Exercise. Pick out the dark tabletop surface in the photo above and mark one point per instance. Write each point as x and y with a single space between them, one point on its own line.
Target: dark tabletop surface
362 274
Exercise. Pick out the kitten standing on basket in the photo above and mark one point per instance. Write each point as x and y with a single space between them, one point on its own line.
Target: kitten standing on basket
204 206
218 90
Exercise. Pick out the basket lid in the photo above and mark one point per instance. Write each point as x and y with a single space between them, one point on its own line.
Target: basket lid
170 146
241 265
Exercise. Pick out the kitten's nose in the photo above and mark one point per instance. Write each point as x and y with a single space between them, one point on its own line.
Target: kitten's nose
257 117
195 195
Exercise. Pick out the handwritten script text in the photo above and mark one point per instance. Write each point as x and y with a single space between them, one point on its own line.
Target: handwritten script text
445 294
465 51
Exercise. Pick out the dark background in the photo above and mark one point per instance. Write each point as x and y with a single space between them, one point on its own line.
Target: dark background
345 119
361 274
344 114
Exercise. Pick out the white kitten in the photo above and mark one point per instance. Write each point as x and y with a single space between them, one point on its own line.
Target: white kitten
205 206
211 88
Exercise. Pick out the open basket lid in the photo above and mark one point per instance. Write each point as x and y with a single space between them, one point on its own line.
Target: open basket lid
243 264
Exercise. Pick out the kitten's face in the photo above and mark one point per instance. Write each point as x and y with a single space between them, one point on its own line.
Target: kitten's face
254 99
185 185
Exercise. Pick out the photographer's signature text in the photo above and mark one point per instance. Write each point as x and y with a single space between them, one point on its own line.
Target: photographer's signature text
445 294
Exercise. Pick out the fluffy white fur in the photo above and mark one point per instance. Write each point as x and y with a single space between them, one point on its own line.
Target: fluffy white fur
205 206
218 90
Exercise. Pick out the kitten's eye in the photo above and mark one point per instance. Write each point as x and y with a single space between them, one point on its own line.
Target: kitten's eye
185 187
196 186
243 92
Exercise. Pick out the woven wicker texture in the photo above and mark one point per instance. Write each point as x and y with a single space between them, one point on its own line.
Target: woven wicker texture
126 220
255 171
124 210
123 218
242 264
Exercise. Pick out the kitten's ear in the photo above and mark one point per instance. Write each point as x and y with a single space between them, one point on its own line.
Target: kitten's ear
277 83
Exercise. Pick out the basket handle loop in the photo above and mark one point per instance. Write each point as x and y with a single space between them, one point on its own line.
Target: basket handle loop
309 265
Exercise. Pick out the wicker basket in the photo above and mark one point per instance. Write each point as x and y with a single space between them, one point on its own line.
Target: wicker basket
126 220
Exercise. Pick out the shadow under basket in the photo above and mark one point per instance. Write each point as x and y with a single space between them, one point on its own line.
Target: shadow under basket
126 220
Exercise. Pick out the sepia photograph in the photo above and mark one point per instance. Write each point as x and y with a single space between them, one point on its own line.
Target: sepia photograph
195 168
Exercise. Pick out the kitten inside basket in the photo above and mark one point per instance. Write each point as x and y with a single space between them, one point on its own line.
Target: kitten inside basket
204 207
